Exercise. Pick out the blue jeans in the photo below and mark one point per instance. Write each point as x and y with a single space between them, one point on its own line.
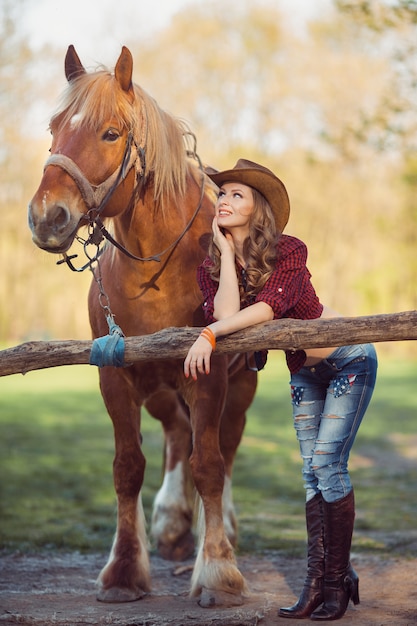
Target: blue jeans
329 401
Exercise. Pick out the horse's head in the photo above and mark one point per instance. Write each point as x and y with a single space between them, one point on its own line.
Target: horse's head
97 138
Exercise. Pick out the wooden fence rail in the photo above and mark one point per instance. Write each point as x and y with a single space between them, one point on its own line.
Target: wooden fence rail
175 342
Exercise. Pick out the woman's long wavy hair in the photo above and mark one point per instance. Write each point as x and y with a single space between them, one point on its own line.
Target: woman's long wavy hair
259 249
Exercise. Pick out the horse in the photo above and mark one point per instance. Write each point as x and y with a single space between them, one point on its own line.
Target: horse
121 169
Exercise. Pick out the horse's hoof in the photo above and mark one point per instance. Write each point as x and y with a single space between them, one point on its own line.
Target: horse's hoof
182 550
212 597
120 594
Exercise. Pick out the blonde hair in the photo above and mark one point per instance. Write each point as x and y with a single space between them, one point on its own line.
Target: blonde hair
259 249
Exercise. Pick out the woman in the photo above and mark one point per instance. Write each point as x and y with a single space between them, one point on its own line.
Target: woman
253 274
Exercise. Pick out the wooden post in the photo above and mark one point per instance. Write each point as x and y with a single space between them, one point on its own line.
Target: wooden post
174 342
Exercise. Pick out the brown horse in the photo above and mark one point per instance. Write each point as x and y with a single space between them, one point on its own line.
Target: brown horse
117 156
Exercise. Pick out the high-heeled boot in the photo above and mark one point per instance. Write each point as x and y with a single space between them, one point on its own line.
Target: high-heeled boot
341 583
312 594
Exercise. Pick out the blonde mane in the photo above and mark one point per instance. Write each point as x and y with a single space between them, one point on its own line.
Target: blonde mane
94 99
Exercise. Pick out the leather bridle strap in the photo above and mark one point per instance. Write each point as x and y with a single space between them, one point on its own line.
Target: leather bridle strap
97 196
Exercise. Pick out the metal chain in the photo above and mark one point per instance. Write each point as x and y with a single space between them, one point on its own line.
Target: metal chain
95 239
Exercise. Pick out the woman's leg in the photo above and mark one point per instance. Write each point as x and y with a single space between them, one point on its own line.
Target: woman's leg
329 401
351 374
308 396
341 582
308 400
312 594
349 394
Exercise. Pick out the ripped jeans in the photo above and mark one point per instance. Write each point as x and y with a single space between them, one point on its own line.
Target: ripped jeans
329 401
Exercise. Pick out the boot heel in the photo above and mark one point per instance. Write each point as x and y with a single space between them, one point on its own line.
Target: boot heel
355 591
352 584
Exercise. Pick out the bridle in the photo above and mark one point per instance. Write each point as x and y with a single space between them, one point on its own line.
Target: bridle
96 198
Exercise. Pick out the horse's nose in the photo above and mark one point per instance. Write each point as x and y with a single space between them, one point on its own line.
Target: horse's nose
48 224
55 217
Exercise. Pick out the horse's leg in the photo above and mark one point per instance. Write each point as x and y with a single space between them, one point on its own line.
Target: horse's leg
240 393
216 577
126 576
173 505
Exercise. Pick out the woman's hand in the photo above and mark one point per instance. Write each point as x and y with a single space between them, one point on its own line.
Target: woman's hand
198 358
224 242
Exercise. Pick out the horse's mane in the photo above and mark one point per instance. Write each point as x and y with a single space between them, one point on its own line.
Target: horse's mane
92 99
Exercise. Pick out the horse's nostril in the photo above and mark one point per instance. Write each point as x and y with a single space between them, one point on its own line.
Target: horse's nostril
61 217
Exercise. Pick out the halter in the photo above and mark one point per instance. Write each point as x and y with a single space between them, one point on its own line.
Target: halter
96 197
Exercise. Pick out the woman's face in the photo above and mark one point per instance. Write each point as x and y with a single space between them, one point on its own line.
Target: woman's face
234 206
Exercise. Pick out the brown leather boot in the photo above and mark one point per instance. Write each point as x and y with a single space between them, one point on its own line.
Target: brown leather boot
341 583
312 594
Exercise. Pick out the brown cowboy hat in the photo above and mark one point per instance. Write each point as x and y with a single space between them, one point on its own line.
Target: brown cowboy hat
261 179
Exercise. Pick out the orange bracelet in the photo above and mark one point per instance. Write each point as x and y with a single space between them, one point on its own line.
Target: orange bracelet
208 334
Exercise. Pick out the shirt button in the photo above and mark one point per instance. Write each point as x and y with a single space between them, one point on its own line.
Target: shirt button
312 369
279 289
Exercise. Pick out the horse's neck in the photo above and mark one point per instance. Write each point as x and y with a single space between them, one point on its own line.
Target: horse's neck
163 293
146 234
147 231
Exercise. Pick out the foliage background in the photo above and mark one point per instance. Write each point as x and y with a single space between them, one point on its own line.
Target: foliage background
330 106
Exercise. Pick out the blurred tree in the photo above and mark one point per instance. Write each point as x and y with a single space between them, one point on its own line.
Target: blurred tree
15 159
389 29
30 304
14 98
244 78
224 70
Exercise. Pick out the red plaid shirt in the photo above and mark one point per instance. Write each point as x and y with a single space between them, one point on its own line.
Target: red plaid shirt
288 291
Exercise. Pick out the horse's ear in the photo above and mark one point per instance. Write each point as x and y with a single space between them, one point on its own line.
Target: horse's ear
73 65
124 69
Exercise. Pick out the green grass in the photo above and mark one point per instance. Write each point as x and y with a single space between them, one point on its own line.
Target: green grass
56 452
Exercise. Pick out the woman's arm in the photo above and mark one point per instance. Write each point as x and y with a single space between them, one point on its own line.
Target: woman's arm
249 316
227 299
198 357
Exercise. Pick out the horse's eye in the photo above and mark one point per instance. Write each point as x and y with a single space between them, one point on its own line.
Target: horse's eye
111 135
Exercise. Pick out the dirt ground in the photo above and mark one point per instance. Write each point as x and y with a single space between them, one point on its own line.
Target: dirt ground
60 590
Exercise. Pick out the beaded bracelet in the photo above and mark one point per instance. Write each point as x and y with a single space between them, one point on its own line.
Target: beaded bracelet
208 334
